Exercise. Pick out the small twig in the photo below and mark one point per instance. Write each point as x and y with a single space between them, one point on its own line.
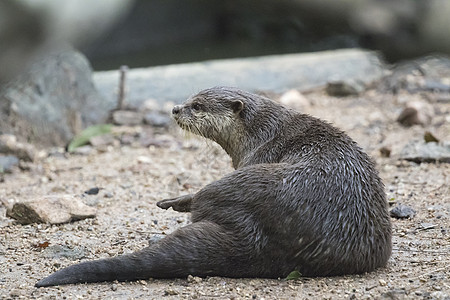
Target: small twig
149 232
120 242
122 86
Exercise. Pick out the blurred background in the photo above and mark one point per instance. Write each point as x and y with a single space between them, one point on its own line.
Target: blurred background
170 31
146 33
48 49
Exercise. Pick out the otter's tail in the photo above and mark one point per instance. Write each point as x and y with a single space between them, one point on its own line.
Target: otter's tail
127 267
201 249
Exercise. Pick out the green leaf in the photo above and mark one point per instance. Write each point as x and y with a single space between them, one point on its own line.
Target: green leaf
294 275
83 138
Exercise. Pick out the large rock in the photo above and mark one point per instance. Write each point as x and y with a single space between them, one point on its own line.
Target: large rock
276 73
7 163
51 209
57 98
30 27
53 101
426 152
429 73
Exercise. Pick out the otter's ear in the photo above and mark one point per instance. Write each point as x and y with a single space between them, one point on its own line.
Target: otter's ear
237 106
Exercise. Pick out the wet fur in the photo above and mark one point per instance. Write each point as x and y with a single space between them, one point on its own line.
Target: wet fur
303 197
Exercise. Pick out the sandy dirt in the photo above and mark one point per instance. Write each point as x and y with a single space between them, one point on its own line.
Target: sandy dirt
133 178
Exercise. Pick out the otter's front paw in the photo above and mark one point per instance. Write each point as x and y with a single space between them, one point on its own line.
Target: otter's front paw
181 204
165 204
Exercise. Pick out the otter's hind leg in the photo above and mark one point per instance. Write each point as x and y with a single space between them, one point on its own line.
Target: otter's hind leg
181 204
200 249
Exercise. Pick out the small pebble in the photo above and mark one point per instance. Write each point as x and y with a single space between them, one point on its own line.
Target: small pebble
416 113
295 100
342 88
426 226
194 279
108 195
402 212
385 151
170 292
16 293
102 140
429 137
92 191
144 159
84 150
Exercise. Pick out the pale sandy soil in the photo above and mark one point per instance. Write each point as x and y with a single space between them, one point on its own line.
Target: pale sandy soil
134 178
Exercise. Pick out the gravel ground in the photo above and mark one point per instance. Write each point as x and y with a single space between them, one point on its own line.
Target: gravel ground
133 178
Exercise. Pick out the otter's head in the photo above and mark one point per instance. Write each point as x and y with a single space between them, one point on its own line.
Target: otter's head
212 113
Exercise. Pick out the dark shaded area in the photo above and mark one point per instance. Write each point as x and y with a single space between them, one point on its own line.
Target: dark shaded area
165 32
158 32
169 31
21 32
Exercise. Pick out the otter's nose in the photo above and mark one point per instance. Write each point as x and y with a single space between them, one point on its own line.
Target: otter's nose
176 109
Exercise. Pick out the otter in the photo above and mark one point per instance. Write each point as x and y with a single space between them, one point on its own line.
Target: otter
303 196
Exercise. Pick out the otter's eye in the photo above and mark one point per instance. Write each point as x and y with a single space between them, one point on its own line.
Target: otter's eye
196 106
